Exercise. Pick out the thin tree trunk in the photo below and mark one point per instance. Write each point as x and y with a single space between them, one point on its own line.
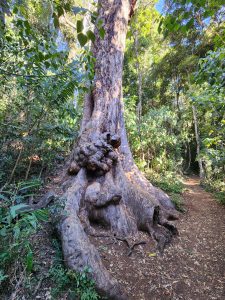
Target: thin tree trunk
4 9
139 105
198 141
189 157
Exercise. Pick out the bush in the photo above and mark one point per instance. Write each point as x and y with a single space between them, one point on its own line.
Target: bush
217 187
17 225
70 282
170 183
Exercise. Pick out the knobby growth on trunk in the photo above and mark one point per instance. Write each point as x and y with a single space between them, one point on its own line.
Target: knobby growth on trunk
105 186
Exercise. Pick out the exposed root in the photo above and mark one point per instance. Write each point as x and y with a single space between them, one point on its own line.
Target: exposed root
79 253
117 238
130 246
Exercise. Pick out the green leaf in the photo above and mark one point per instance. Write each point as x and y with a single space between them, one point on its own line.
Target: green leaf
82 38
15 10
91 35
60 10
29 261
32 220
31 184
15 210
190 23
55 20
2 276
80 26
160 26
16 231
42 215
93 19
26 24
47 64
3 232
99 23
101 32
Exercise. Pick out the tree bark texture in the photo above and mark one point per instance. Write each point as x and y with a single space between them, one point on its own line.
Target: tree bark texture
105 186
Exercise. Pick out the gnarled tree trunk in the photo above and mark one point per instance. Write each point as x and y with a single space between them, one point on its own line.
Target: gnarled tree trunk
106 186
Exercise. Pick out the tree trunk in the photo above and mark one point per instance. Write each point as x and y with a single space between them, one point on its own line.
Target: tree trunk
139 73
4 9
106 186
197 137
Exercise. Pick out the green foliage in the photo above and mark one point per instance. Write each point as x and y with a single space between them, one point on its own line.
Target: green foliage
217 187
42 82
167 72
168 182
38 115
72 283
18 226
144 49
67 281
18 223
208 97
159 136
171 183
190 18
155 143
178 202
2 276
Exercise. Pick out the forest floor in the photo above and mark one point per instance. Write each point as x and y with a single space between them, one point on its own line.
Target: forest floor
191 268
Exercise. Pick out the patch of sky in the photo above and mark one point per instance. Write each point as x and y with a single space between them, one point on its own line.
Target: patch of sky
62 45
160 6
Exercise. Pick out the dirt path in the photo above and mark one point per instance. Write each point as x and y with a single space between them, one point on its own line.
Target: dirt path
192 268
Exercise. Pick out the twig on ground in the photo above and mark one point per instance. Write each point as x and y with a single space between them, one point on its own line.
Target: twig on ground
38 286
117 238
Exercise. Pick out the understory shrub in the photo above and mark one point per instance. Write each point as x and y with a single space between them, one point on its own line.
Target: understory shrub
217 187
18 223
169 182
75 285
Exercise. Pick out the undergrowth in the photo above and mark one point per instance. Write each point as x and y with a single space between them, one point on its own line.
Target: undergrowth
21 259
217 188
170 183
74 285
18 223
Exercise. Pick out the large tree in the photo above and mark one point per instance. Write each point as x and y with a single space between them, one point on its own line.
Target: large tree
104 185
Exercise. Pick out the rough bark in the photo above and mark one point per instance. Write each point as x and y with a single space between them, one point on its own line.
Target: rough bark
106 186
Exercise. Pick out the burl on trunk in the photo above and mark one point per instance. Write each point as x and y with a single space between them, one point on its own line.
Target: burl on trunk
106 186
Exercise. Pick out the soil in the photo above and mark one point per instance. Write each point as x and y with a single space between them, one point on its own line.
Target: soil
191 268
